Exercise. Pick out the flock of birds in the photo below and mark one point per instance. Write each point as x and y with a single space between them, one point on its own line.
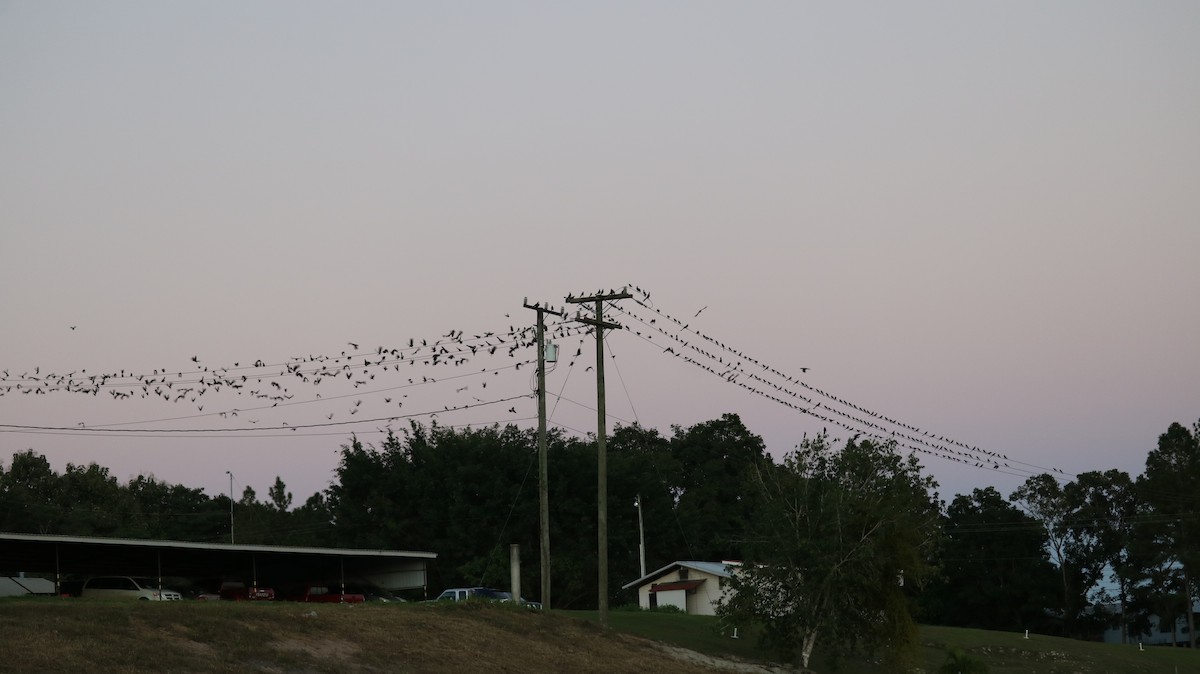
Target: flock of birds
761 379
356 374
380 374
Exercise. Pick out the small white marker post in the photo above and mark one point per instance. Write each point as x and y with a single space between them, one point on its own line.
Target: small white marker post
1026 634
1140 646
735 636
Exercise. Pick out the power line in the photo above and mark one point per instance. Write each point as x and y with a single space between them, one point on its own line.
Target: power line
732 368
16 428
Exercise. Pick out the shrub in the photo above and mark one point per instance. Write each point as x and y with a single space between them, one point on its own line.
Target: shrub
959 662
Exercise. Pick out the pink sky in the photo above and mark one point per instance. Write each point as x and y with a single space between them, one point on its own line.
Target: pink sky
982 220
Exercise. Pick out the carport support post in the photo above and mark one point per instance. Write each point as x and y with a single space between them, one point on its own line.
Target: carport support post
342 566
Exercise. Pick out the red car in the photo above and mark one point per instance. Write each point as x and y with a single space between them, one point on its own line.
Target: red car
235 590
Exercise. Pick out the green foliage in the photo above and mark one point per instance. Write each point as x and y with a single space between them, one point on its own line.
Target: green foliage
281 498
1170 548
667 608
1104 512
714 460
959 662
837 539
995 571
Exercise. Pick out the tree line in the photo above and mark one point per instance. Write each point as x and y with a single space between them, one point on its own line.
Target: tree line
839 539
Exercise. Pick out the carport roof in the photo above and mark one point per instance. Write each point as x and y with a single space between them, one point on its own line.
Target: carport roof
222 547
74 556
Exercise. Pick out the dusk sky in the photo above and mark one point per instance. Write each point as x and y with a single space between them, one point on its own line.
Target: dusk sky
979 219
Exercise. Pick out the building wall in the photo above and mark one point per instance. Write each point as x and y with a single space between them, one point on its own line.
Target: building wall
702 602
13 586
676 598
1159 634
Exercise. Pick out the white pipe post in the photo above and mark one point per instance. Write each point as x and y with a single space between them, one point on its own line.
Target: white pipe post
514 571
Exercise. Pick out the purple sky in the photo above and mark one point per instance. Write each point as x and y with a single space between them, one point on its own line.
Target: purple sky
981 220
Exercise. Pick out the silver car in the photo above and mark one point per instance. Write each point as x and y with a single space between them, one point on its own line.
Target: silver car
127 587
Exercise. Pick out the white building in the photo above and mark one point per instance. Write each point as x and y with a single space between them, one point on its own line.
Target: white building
694 587
1161 633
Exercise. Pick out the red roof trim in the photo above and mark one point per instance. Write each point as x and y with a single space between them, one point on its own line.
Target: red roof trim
676 585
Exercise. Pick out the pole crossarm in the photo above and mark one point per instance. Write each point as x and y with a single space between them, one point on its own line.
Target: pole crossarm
598 323
599 297
537 306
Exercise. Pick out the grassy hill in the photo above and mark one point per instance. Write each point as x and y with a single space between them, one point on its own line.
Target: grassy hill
60 635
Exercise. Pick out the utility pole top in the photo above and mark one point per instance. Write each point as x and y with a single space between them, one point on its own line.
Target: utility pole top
600 297
597 299
537 306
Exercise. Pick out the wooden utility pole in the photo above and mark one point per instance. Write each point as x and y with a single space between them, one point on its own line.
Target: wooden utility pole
601 452
543 485
641 539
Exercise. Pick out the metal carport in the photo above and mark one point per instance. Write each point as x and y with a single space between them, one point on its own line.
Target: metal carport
65 557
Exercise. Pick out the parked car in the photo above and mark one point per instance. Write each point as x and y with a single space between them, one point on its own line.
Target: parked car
323 594
374 593
465 593
127 587
485 593
234 590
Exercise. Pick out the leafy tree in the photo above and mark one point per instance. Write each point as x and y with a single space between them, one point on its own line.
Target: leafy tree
174 512
573 529
995 571
1171 486
1105 510
281 498
28 492
836 540
714 459
92 502
640 469
1044 499
310 525
465 493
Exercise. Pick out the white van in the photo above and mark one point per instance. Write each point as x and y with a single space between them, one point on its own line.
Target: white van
125 587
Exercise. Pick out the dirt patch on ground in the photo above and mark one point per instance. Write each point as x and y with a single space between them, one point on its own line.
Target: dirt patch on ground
702 661
322 649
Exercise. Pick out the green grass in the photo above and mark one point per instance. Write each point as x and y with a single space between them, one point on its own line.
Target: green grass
698 633
1003 652
49 635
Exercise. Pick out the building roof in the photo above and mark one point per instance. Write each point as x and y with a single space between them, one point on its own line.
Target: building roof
718 569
